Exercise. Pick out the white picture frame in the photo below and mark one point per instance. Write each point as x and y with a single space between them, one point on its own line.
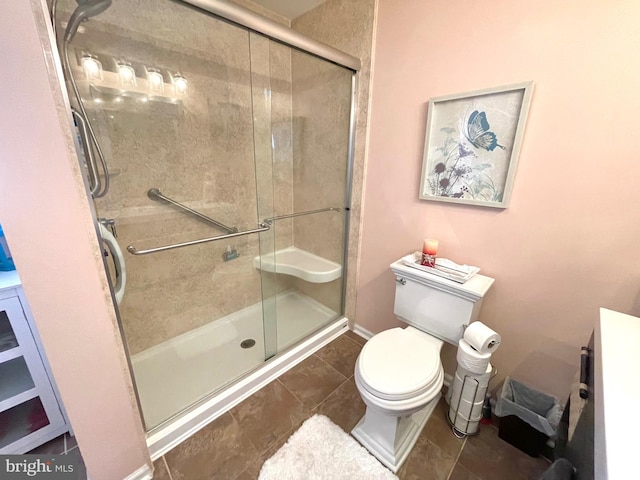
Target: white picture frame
472 145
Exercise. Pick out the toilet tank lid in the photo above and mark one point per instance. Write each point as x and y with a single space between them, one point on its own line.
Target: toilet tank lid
474 289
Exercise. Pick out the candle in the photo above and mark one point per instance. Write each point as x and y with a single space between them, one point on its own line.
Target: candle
430 247
429 251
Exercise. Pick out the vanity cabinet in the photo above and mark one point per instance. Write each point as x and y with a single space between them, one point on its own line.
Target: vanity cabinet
30 410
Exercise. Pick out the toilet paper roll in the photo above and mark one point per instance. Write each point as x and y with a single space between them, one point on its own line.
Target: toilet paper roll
482 338
471 359
482 378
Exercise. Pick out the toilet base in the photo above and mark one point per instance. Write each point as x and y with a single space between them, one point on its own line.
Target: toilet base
391 438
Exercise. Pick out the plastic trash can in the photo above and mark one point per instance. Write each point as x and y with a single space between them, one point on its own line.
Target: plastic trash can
528 418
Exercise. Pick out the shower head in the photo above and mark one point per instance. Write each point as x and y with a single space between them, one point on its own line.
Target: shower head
85 10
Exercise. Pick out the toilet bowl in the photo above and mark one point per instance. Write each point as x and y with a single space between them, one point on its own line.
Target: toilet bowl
399 376
398 373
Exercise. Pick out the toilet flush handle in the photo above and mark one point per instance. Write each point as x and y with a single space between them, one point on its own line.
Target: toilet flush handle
401 281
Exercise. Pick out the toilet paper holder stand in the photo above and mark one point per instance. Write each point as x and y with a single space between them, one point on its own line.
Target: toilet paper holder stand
456 431
478 391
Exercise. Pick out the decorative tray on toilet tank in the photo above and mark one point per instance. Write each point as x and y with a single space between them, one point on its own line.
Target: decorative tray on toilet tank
444 268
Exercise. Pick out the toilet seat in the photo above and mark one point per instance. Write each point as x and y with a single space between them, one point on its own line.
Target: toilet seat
400 364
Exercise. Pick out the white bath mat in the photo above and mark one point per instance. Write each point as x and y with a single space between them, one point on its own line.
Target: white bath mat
320 450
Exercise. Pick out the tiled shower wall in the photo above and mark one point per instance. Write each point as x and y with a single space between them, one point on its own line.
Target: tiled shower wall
174 147
199 152
321 112
347 26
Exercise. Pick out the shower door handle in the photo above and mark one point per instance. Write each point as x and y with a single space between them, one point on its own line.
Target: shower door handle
134 251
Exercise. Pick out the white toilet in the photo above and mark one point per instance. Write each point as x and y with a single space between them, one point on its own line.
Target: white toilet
398 372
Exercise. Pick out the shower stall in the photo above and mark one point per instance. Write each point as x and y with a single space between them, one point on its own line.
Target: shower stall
217 146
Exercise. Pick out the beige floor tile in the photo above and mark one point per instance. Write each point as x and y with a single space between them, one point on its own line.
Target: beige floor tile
344 407
252 472
235 446
427 461
461 473
355 337
438 431
312 380
489 457
268 414
160 470
221 450
341 354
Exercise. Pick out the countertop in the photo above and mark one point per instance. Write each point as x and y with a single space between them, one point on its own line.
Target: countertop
9 280
617 395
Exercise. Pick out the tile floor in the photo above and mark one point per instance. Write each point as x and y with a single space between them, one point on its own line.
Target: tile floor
63 445
235 445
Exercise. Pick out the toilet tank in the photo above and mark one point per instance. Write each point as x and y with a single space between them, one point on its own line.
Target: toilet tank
440 307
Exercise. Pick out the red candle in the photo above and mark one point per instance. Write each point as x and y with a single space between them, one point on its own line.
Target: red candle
430 247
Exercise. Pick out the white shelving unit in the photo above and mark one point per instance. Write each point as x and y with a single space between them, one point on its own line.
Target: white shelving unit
30 410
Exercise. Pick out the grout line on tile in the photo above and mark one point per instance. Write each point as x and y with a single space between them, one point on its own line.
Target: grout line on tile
166 466
331 393
353 341
231 413
71 450
317 407
294 395
330 366
464 443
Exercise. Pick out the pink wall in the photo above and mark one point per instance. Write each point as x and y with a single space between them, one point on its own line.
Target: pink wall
46 217
568 243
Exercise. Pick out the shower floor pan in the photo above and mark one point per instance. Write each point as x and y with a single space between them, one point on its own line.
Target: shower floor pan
175 374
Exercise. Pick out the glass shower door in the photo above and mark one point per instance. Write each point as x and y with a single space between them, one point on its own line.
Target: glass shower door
169 96
302 107
209 130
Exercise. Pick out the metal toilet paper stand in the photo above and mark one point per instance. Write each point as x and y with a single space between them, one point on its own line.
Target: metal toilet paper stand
458 419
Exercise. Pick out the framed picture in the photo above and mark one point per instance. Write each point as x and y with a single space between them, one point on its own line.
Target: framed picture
472 145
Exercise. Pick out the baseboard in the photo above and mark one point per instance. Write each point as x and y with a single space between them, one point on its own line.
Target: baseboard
143 473
361 331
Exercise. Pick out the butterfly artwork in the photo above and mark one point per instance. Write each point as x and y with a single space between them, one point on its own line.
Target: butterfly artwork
478 133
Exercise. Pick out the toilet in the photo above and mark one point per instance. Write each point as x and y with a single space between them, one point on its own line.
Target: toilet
399 373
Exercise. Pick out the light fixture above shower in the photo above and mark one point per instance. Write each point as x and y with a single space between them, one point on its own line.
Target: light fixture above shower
126 73
156 81
91 66
180 84
119 77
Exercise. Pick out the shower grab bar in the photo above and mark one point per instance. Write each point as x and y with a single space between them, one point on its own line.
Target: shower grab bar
270 220
134 251
155 194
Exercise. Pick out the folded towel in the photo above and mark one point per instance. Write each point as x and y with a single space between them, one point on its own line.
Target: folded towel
444 268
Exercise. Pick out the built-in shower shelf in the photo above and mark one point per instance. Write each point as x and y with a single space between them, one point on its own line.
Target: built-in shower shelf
299 263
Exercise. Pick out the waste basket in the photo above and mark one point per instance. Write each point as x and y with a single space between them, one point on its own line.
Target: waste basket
528 418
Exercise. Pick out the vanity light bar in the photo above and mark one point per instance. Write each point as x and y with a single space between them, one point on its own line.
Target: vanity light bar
126 81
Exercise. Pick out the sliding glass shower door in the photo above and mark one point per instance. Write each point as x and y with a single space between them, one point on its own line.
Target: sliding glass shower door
226 154
302 107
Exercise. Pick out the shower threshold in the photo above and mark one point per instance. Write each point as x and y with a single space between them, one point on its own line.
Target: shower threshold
180 375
